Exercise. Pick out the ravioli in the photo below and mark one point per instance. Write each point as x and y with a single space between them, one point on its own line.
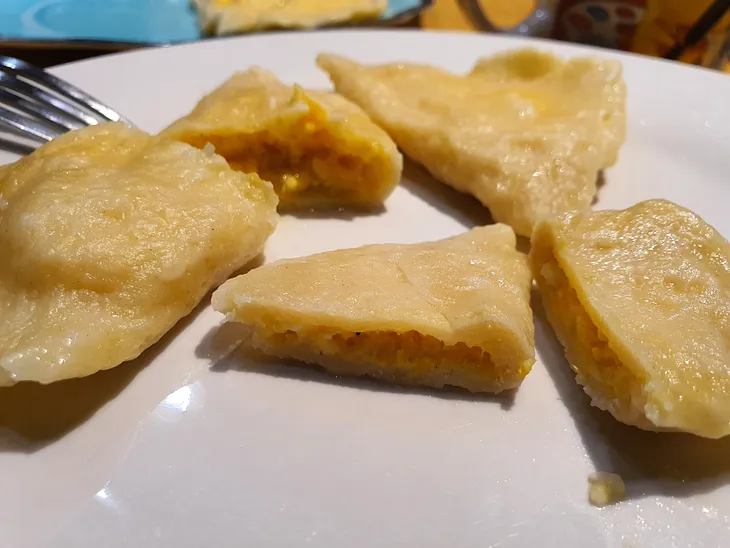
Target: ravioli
449 313
317 148
108 237
526 132
640 299
232 16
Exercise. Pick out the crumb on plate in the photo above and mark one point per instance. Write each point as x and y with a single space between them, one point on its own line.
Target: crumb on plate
605 488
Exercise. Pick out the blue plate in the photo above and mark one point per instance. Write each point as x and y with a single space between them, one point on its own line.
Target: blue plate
149 22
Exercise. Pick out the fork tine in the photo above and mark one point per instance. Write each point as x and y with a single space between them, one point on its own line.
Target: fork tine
12 141
45 79
28 126
36 102
34 110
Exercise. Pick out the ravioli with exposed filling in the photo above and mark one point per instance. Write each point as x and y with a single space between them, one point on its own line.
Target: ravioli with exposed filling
317 148
232 16
108 237
640 299
449 313
526 132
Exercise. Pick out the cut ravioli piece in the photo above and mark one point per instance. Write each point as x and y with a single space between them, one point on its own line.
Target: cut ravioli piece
108 237
317 148
640 299
232 16
526 132
449 313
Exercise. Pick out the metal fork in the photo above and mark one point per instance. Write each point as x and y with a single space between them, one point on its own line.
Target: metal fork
38 106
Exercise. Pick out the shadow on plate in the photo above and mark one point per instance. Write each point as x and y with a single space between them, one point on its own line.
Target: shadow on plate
600 183
523 244
222 348
339 214
650 463
33 415
466 209
256 262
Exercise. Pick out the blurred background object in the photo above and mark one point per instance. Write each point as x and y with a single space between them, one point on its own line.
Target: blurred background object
48 32
692 31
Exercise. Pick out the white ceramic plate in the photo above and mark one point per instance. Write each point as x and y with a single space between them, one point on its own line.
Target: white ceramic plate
172 451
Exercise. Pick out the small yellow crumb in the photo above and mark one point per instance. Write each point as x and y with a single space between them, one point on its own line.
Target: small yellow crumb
605 488
550 274
209 149
291 183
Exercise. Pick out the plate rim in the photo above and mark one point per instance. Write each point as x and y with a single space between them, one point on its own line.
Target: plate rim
509 39
500 41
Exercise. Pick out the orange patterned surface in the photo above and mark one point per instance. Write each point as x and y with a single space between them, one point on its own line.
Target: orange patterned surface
446 14
656 23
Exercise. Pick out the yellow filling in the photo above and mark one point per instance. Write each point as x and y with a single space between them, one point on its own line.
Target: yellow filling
410 349
409 357
609 382
306 164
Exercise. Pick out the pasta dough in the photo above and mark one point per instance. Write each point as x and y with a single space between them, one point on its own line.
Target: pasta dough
317 148
640 299
108 237
452 312
526 132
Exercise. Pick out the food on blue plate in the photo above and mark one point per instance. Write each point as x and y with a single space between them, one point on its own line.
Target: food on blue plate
108 237
317 148
233 16
525 132
640 299
453 312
